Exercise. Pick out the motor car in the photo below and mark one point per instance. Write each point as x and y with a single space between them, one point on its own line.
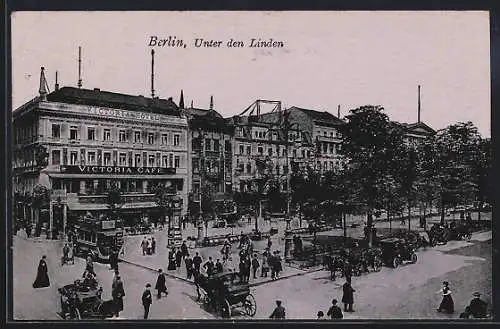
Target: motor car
395 251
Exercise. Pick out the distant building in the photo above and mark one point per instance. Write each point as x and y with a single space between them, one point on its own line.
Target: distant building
321 140
210 154
79 142
416 132
263 140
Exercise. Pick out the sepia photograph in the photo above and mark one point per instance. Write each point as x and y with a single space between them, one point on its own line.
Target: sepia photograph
251 165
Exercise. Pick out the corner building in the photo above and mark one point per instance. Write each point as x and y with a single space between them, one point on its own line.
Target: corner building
79 142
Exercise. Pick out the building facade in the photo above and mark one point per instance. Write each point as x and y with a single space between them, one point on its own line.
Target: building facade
260 140
210 157
79 143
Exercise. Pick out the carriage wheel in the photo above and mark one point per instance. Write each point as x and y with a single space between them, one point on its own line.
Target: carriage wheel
250 305
206 302
395 262
78 314
225 309
413 258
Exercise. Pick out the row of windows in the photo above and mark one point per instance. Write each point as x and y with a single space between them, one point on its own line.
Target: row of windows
242 168
211 145
123 135
329 148
329 134
271 151
101 186
95 158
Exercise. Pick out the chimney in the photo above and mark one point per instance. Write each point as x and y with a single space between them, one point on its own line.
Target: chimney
418 104
338 111
192 106
211 103
57 83
79 84
97 89
152 73
43 85
181 101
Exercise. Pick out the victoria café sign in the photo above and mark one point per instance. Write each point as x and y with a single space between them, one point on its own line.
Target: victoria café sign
116 170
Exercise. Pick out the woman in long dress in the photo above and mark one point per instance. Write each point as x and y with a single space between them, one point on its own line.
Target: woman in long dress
447 304
42 277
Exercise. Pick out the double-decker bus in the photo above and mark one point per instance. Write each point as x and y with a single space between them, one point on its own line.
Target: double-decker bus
98 237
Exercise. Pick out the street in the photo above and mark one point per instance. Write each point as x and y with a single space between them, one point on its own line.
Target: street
408 292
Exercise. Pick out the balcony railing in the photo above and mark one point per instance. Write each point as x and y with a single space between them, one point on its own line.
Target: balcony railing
328 139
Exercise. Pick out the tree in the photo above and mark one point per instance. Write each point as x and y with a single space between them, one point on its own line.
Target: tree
372 147
457 148
163 198
114 200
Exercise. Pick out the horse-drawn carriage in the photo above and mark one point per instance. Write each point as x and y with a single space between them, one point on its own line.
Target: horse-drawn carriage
80 300
355 261
223 292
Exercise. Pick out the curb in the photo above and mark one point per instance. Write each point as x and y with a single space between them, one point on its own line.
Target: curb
250 285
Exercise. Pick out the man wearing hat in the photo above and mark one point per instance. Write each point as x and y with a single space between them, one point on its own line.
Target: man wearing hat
478 307
147 300
279 311
335 312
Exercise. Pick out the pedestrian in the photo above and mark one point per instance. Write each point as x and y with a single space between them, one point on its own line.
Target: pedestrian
255 266
348 296
271 260
184 249
447 302
189 267
209 266
149 246
118 293
115 278
178 258
161 286
197 278
42 276
478 307
197 262
144 246
248 265
279 265
153 245
218 266
147 300
113 259
335 312
242 269
269 242
279 311
348 270
265 266
321 315
171 260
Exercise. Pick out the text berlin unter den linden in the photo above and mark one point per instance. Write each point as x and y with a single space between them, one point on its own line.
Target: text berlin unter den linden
174 42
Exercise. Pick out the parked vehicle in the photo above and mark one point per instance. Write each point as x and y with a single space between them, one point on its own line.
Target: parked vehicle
395 251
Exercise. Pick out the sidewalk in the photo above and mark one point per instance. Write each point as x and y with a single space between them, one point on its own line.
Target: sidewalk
133 255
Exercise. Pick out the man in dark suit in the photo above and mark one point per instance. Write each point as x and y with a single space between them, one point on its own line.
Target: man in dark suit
161 286
279 311
478 307
335 312
147 300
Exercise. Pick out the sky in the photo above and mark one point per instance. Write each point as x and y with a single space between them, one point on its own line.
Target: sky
328 59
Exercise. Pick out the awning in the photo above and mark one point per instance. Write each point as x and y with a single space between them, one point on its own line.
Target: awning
103 206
